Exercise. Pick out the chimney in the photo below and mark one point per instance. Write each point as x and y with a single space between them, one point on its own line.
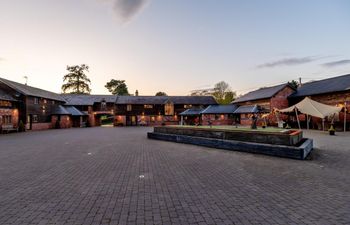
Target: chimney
300 84
26 78
136 93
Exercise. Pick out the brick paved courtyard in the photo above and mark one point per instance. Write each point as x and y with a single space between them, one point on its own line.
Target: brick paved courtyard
118 176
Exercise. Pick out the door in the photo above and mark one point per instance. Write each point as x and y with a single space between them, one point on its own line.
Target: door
131 121
29 122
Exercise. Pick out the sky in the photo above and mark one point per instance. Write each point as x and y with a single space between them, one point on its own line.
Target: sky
174 46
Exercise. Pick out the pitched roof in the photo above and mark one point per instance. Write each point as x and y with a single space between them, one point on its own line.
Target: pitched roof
186 100
31 91
60 110
79 99
6 96
74 111
142 100
262 93
247 109
334 84
191 112
220 109
193 100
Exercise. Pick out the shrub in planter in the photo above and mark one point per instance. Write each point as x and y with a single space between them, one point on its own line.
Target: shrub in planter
21 127
331 130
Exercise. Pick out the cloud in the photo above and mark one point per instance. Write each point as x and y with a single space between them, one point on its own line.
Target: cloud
126 10
289 62
336 63
2 59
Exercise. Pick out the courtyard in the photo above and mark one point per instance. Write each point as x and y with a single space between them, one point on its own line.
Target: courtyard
118 176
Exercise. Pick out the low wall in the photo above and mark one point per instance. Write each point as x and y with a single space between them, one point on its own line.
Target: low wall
41 126
294 152
291 139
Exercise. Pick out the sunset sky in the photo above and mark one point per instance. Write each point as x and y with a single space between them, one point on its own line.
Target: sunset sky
174 46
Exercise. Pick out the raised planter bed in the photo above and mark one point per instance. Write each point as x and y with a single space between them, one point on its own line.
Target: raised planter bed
297 147
287 137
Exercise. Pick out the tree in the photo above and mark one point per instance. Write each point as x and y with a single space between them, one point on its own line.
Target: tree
223 94
117 87
161 93
294 84
76 80
229 97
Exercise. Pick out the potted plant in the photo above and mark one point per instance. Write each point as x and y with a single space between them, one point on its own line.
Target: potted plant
331 130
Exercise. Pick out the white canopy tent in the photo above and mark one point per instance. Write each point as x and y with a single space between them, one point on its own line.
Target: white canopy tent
312 108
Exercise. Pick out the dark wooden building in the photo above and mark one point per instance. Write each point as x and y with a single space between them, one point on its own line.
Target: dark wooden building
94 106
8 111
34 105
156 110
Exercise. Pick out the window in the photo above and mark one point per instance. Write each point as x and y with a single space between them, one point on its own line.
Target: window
128 108
169 109
7 119
148 106
36 101
45 101
35 118
5 104
52 102
187 106
103 105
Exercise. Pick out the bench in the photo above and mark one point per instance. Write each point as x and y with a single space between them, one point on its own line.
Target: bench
8 128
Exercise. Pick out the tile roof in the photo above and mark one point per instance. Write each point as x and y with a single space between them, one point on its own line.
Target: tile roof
262 93
141 100
220 109
60 110
186 100
6 96
31 91
79 99
193 100
191 112
247 109
334 84
74 111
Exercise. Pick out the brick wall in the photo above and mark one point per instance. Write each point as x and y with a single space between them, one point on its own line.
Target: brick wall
65 121
223 119
41 126
9 112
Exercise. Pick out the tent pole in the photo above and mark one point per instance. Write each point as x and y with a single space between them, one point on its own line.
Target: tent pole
323 124
307 121
296 113
344 116
182 120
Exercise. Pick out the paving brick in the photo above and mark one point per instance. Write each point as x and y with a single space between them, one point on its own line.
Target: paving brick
48 177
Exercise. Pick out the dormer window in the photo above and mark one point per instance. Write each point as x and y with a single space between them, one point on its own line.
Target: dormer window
169 109
103 105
